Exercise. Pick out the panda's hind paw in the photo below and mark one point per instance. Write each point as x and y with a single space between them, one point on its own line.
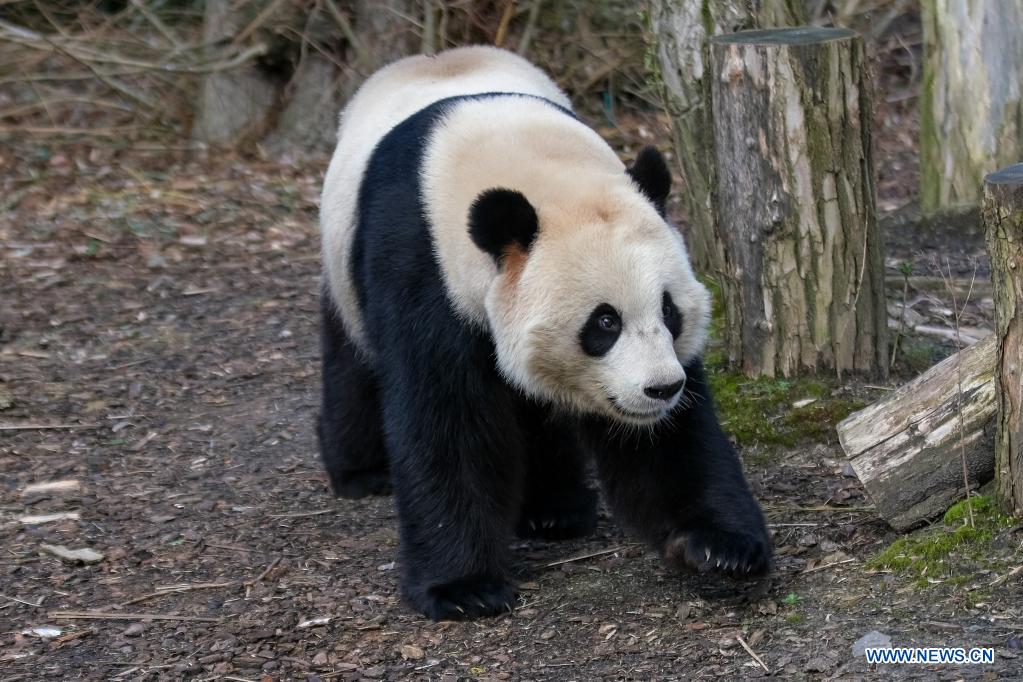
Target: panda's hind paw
739 554
364 483
573 516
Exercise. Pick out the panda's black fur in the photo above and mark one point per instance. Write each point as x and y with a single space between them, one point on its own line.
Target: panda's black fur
470 458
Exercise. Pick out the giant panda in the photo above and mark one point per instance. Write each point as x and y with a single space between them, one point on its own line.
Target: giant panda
503 301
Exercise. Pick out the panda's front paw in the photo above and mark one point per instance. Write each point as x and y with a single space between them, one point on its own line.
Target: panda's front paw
709 549
467 598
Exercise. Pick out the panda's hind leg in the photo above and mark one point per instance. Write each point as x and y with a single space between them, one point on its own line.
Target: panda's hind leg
557 503
350 423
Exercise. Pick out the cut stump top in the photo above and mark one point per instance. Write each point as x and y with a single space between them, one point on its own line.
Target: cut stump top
1010 175
802 35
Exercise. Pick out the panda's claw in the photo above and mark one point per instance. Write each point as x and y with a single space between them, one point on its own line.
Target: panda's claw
712 549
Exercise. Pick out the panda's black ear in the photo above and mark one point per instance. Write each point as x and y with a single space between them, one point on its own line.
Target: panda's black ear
651 174
500 218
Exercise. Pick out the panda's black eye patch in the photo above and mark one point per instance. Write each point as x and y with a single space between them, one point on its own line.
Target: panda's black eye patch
672 316
602 329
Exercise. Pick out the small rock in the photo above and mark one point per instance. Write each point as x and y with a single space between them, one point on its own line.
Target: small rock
43 632
848 471
374 672
871 640
548 634
134 630
320 658
1014 643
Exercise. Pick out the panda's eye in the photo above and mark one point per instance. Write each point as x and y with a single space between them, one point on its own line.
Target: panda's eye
601 331
672 316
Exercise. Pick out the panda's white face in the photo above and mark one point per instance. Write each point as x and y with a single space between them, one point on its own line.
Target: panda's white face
601 320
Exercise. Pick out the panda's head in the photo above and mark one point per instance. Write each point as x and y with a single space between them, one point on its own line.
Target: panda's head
595 307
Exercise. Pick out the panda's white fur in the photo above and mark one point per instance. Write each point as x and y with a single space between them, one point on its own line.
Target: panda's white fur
600 240
387 98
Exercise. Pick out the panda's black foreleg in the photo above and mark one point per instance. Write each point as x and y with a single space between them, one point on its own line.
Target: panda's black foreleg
350 422
457 466
557 503
681 485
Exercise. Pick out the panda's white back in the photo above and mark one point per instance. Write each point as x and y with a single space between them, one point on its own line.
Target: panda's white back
386 99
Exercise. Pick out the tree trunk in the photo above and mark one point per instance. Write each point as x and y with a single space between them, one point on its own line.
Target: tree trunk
972 99
680 29
288 102
802 266
907 449
1003 223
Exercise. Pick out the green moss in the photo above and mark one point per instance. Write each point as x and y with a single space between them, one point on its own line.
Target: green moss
794 618
983 506
759 411
947 554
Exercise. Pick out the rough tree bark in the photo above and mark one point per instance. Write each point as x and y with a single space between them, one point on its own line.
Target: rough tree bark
1003 223
680 29
802 269
907 449
319 54
972 99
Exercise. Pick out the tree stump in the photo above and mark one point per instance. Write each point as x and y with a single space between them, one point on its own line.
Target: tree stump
1003 224
803 273
971 108
908 448
681 29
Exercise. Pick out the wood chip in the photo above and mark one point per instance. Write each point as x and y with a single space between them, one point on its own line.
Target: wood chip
51 487
49 518
84 555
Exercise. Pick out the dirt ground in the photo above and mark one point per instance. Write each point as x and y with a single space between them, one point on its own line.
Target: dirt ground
158 354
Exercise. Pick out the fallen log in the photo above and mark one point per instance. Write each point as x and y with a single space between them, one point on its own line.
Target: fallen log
907 448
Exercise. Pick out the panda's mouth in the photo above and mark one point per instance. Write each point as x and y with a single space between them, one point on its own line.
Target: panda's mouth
648 416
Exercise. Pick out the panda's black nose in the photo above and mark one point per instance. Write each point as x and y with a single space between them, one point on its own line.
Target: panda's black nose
665 391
